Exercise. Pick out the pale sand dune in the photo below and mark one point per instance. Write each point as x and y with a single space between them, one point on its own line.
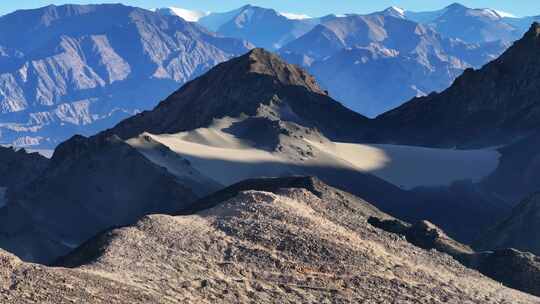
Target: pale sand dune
227 159
409 166
226 165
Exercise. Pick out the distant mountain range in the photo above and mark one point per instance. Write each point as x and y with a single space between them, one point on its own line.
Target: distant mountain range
492 106
268 185
67 69
79 69
373 63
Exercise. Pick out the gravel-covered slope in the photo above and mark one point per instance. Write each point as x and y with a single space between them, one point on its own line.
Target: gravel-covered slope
289 245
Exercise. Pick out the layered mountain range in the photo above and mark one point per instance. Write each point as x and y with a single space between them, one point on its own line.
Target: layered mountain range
81 78
79 69
487 107
380 60
207 197
373 63
352 48
252 116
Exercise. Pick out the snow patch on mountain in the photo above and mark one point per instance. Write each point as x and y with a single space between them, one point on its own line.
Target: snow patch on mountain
398 10
188 15
490 13
293 16
503 14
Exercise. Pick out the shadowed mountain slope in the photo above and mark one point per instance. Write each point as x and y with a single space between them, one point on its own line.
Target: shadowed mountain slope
91 184
521 230
519 171
486 107
246 85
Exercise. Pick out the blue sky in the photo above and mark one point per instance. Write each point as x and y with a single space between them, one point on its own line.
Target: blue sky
310 7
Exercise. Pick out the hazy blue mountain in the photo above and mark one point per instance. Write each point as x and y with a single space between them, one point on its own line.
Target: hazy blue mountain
263 27
373 63
492 106
522 24
80 68
473 25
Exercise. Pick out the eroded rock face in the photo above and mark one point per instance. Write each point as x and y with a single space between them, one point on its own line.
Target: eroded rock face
78 68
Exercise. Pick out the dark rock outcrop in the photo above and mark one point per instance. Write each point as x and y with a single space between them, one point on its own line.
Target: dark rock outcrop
519 270
18 167
511 267
91 184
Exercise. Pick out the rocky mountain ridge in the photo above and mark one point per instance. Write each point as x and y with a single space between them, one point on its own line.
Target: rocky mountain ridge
289 244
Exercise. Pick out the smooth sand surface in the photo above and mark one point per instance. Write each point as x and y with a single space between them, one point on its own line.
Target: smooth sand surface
409 167
227 159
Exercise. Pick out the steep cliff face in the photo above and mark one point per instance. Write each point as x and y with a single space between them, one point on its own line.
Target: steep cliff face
72 68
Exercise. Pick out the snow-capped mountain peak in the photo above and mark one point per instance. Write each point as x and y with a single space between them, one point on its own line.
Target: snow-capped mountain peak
398 10
504 14
188 15
395 11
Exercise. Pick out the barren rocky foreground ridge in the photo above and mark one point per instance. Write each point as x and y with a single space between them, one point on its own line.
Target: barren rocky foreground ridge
285 246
